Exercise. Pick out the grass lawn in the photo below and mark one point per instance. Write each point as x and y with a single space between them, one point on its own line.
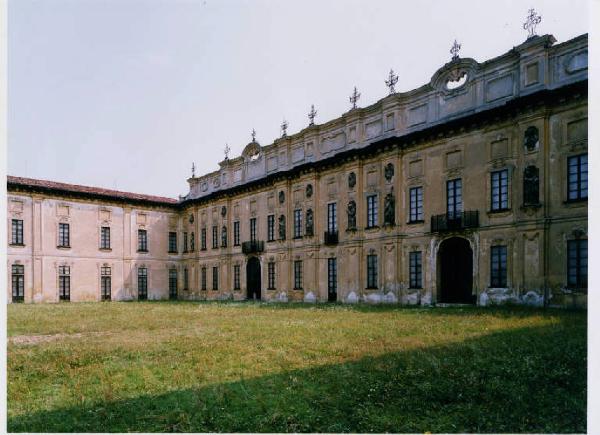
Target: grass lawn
238 367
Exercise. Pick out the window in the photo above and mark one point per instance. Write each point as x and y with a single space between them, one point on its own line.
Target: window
185 242
252 229
63 235
271 275
372 211
172 242
64 283
454 198
498 272
203 278
105 283
371 271
298 275
415 271
186 279
332 279
17 232
142 241
18 283
172 284
105 238
416 204
236 233
578 178
215 237
577 263
270 228
192 241
297 224
500 190
332 217
215 280
203 239
142 284
236 277
224 237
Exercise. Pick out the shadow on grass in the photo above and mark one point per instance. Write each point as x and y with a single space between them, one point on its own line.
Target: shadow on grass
526 380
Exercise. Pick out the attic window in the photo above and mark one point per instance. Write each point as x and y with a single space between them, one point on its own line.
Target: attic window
456 80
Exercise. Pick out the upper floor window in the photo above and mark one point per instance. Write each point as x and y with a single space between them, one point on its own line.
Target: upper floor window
332 217
63 235
297 223
454 198
498 266
416 204
500 190
371 271
142 283
215 278
105 283
271 275
270 228
372 211
578 177
105 238
17 232
192 241
173 283
236 277
236 233
18 283
64 283
298 275
203 239
577 263
185 242
215 237
142 241
172 242
252 229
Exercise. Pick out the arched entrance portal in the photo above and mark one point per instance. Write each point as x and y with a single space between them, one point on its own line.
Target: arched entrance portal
455 272
253 278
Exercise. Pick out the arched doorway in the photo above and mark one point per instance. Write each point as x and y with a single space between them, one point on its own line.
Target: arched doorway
253 278
455 272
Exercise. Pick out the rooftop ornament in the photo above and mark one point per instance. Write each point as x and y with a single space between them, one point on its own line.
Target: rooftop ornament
533 19
391 82
253 135
454 50
284 127
226 151
354 97
193 170
312 114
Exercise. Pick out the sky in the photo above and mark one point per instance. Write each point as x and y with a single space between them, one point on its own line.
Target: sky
126 94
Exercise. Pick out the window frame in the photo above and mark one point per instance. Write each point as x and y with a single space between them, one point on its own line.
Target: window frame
18 282
271 228
215 278
252 225
372 272
64 235
298 223
332 226
372 211
499 266
415 270
142 283
499 190
271 276
172 242
578 280
105 283
236 277
415 208
64 283
203 239
579 174
142 240
17 232
203 279
454 195
236 233
298 275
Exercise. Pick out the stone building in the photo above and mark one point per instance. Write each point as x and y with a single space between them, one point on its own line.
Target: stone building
470 189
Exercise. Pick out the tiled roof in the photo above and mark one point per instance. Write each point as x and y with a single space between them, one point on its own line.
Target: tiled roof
53 186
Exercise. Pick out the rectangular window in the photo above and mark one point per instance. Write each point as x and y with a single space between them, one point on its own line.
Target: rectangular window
224 237
63 235
203 278
236 277
500 190
142 284
416 204
186 279
271 275
578 177
17 232
236 233
577 263
185 242
498 266
203 239
332 279
18 283
415 271
252 229
105 238
192 241
105 283
270 228
298 275
372 212
215 280
297 224
215 237
371 271
332 217
454 198
172 284
142 241
64 283
172 242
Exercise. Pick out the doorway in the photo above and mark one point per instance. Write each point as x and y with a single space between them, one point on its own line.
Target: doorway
455 272
253 278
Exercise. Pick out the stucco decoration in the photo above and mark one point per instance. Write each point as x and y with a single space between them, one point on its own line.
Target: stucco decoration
223 211
389 172
309 222
352 298
351 180
310 297
390 298
531 138
282 227
309 190
191 219
389 210
224 237
352 215
281 197
251 151
531 186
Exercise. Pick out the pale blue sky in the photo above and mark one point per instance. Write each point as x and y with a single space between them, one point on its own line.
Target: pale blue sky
127 93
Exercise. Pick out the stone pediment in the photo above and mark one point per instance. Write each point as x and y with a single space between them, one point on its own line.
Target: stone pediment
454 75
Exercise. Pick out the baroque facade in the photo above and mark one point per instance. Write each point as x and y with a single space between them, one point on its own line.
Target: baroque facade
470 189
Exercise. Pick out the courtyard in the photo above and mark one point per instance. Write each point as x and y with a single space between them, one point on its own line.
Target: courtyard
258 367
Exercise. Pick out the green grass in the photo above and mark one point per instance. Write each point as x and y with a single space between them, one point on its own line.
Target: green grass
239 367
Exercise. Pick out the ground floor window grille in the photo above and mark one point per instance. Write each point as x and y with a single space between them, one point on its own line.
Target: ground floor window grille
172 283
215 278
271 275
331 277
18 283
142 283
236 277
64 283
298 275
105 283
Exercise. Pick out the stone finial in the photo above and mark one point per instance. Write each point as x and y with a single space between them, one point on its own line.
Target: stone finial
312 114
226 151
253 135
391 82
454 50
354 97
533 19
284 126
193 170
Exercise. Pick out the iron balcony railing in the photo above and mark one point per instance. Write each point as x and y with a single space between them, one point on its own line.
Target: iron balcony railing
253 247
455 222
331 237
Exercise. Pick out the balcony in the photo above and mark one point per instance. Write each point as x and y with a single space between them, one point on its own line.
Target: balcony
331 237
253 247
459 221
